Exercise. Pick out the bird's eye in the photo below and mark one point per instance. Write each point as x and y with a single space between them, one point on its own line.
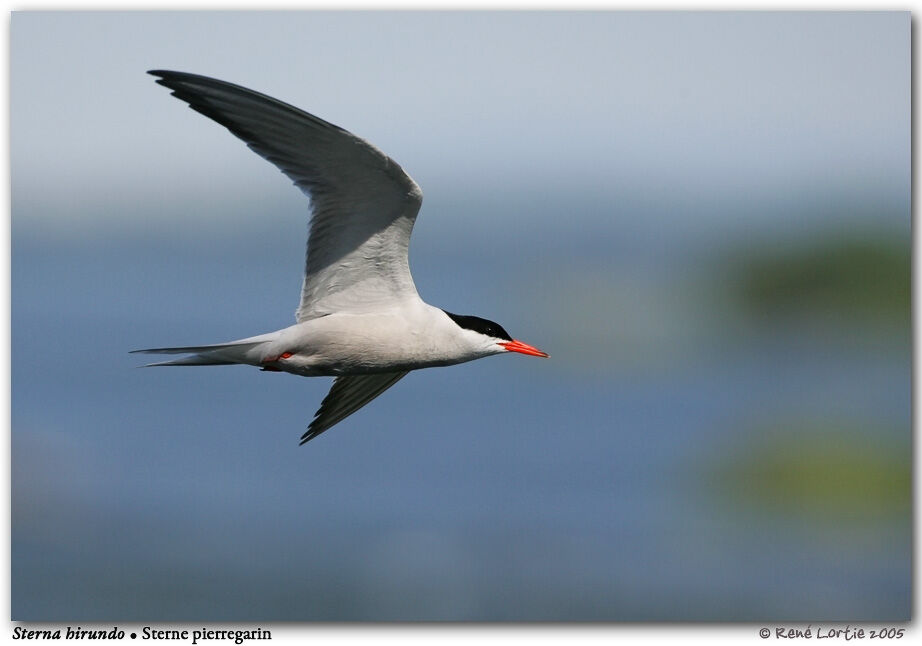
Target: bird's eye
285 355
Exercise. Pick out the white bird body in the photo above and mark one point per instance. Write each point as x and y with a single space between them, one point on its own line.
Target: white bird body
408 337
360 318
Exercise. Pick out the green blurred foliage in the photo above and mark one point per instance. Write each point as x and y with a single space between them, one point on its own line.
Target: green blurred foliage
822 471
863 277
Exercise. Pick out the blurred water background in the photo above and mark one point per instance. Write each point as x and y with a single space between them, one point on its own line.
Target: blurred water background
704 218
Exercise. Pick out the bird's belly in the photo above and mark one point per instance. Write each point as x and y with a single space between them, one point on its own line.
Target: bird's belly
369 349
351 359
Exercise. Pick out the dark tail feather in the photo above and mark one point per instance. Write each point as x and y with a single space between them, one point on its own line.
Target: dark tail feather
194 360
193 349
220 354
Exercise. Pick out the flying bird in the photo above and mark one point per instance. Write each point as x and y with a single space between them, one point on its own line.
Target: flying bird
360 318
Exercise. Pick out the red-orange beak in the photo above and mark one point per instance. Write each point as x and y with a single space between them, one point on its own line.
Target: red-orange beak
524 348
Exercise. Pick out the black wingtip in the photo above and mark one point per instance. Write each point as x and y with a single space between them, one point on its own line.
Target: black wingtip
171 78
166 73
168 79
163 74
311 433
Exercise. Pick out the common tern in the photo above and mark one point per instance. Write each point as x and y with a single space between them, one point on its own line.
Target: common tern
360 318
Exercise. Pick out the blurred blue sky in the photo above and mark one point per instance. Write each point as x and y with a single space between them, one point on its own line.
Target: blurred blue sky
657 108
588 178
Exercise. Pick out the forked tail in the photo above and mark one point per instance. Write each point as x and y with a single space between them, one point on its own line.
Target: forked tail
220 354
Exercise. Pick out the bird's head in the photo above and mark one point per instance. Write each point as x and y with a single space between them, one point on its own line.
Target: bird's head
491 338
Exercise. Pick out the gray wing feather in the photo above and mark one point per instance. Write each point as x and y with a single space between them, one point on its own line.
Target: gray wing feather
363 205
347 395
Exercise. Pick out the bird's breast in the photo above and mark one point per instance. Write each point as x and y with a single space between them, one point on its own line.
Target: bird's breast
342 344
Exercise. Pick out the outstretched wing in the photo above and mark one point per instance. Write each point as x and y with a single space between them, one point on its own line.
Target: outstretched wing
347 395
363 205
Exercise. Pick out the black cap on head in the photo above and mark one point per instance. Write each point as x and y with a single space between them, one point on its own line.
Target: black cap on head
483 326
